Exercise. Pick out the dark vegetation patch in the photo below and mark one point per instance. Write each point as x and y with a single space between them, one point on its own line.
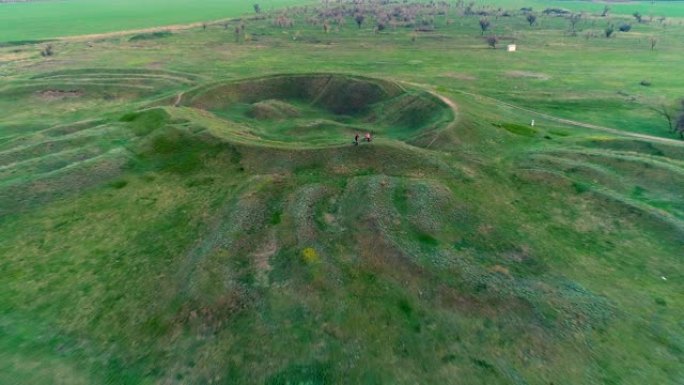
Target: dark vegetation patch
59 94
118 184
144 122
313 374
518 129
22 42
151 36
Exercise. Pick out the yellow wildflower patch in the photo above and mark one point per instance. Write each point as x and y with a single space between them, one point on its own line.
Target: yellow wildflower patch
309 255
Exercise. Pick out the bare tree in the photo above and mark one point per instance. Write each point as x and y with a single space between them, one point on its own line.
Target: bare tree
484 25
606 9
47 51
574 19
531 18
679 127
667 113
638 17
609 31
359 18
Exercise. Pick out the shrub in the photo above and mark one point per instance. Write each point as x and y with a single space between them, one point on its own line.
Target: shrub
309 255
609 31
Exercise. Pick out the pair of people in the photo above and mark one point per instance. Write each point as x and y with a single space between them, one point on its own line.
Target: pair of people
367 138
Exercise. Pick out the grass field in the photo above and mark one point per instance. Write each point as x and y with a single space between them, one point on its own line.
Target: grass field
36 20
188 208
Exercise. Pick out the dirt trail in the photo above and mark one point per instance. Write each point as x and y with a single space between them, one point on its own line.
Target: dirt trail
170 28
179 97
615 131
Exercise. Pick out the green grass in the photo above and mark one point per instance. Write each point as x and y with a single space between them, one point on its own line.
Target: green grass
190 209
46 19
647 8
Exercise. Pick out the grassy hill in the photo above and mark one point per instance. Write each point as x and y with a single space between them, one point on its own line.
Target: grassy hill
189 208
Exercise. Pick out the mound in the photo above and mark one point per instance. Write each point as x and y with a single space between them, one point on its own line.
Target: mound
272 109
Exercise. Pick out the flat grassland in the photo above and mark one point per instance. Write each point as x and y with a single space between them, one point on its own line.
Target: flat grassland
36 20
186 207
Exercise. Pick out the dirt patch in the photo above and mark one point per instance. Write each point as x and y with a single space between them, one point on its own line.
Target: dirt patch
59 94
15 56
528 75
459 76
262 256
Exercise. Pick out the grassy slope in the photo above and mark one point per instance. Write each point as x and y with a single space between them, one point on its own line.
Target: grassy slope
499 256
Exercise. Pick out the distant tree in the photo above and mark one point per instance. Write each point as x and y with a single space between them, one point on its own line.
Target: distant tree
47 51
531 18
609 31
653 42
484 25
679 126
574 19
326 27
492 40
625 28
469 9
359 18
668 114
204 26
606 9
257 8
638 17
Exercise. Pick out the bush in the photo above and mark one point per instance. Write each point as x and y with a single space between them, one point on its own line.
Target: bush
150 36
625 28
309 255
609 31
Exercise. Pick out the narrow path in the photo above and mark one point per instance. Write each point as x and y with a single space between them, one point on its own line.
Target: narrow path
170 28
615 131
453 107
179 97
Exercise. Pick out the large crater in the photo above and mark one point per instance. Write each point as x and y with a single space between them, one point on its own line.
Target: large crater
317 109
